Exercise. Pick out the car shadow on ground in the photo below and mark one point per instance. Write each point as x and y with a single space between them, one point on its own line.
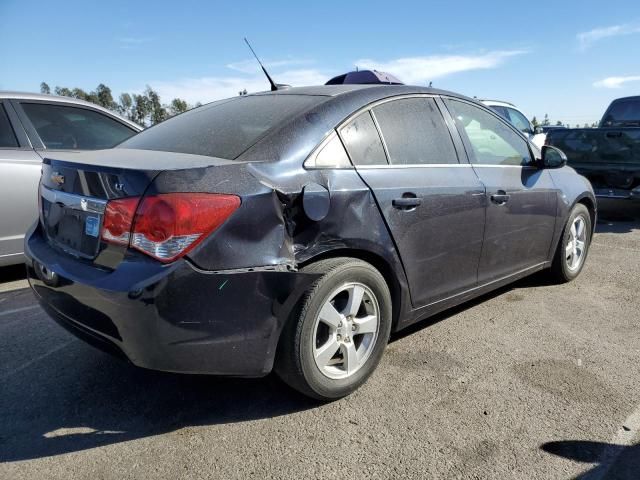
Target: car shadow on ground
13 273
81 398
618 216
610 461
96 400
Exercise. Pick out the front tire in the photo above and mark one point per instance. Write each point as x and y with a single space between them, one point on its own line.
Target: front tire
335 338
573 246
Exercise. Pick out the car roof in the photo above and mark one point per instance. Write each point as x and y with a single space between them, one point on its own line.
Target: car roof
335 90
499 103
43 97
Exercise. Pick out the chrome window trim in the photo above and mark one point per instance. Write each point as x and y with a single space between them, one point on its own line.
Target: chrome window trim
446 165
71 200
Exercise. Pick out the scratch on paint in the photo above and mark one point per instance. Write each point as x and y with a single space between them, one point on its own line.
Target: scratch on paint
223 284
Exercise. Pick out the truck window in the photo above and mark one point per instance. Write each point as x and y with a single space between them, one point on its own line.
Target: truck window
623 112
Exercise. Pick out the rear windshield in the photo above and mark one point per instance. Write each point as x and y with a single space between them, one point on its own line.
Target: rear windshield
223 129
623 112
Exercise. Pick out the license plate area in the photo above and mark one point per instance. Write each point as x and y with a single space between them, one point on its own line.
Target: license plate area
72 222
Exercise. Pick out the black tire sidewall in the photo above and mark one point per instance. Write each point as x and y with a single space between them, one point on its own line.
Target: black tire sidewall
320 384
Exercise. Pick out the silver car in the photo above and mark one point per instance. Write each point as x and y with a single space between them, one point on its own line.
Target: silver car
31 125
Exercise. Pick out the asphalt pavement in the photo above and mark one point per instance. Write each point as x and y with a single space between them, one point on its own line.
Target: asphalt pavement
534 381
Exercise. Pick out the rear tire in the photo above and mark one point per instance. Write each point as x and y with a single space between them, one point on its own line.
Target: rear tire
336 336
573 245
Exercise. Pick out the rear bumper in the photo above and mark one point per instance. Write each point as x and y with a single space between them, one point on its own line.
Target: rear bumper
171 318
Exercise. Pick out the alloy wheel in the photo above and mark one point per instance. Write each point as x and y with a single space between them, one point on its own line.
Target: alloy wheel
345 330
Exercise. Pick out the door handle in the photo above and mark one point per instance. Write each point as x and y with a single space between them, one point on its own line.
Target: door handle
613 134
500 197
406 203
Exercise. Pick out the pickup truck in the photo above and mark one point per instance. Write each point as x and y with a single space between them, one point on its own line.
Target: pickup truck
609 156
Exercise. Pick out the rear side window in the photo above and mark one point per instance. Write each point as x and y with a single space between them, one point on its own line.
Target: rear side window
363 142
7 136
223 129
414 132
74 128
493 142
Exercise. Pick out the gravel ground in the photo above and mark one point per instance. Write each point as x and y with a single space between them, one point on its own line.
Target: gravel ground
534 381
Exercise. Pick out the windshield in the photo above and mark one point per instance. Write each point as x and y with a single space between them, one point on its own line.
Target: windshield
223 129
623 112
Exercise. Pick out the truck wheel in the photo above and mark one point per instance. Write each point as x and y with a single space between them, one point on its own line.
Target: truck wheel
573 246
337 335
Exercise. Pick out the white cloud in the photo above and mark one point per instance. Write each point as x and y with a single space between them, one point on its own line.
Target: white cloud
252 66
616 82
421 70
247 75
207 89
586 39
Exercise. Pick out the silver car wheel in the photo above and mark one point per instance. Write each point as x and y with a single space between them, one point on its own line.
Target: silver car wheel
575 248
345 330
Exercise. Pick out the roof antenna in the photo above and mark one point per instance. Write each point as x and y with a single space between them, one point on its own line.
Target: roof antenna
274 86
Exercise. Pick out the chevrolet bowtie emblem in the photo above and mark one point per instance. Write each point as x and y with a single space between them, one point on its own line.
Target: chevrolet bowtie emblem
57 178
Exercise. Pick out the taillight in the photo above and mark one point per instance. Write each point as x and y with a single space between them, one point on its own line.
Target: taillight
118 218
166 226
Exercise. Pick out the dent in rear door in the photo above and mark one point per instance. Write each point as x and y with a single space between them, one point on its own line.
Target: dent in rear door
439 236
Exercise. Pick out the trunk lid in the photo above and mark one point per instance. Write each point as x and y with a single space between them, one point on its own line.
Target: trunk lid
75 189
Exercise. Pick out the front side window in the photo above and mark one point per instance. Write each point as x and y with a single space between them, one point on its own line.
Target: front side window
519 121
415 132
74 128
7 136
492 141
363 142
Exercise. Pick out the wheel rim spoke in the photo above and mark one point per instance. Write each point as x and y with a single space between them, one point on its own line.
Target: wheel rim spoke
350 356
330 315
327 351
568 250
368 324
355 300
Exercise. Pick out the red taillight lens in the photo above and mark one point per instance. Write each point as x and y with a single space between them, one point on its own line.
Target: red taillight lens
167 226
118 218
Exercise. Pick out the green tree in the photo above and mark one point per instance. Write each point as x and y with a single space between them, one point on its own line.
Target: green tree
104 97
63 91
546 122
559 123
125 106
158 112
178 106
44 88
141 109
535 122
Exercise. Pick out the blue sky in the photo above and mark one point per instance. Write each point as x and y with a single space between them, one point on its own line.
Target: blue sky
568 59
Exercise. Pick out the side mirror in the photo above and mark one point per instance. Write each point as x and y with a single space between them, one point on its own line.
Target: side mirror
553 157
537 130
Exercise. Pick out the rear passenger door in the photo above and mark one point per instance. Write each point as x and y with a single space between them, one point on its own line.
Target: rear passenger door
432 203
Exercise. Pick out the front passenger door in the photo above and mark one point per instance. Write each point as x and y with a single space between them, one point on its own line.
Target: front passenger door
521 198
